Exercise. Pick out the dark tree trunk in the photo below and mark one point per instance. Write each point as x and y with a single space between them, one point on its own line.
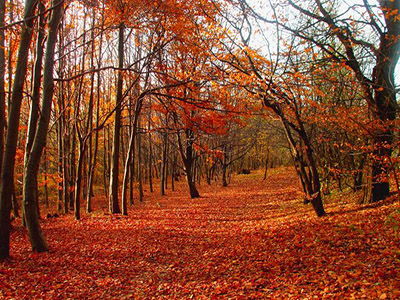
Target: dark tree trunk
129 156
34 110
2 79
8 162
188 161
306 167
78 181
140 167
163 164
150 160
114 182
72 164
266 165
224 181
30 181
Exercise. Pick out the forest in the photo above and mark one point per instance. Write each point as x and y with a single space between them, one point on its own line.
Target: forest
213 149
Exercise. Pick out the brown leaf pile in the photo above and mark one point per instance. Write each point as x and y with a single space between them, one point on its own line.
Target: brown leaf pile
252 240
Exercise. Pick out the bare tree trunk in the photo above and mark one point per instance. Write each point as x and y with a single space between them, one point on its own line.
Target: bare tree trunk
310 180
266 165
188 161
78 181
129 155
34 110
140 168
93 156
8 162
113 193
2 78
150 160
30 181
72 171
46 192
163 164
106 170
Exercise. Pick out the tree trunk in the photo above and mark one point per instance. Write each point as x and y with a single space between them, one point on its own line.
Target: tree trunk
30 181
129 156
113 192
310 179
194 193
93 155
72 163
8 162
224 182
78 181
2 79
34 110
140 169
163 164
150 160
188 161
266 165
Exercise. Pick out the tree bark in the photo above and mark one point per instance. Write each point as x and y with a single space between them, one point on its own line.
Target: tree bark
34 110
129 155
113 192
188 160
30 181
2 79
8 162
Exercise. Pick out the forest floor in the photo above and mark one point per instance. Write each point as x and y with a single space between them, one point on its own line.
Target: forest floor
252 240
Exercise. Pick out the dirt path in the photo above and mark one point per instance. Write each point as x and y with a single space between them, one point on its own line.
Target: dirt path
252 240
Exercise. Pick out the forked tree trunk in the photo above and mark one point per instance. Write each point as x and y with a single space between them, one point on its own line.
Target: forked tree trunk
129 156
310 178
188 161
8 160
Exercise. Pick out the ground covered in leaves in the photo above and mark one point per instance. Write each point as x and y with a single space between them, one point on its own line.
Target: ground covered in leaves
251 240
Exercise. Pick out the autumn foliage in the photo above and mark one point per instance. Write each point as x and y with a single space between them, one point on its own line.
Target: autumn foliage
166 148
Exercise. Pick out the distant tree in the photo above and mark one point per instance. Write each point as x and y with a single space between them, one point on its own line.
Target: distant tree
365 38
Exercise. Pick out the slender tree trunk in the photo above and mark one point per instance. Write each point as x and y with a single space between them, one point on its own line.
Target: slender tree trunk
7 171
113 194
129 155
163 164
140 167
78 181
93 155
266 165
2 80
34 110
150 159
72 170
106 172
30 181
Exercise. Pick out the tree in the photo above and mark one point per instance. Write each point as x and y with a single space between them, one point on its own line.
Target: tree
32 167
8 160
370 47
113 196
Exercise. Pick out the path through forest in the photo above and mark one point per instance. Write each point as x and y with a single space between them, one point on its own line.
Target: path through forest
252 240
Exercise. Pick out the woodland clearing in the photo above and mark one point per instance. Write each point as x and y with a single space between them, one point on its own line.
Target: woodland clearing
252 240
